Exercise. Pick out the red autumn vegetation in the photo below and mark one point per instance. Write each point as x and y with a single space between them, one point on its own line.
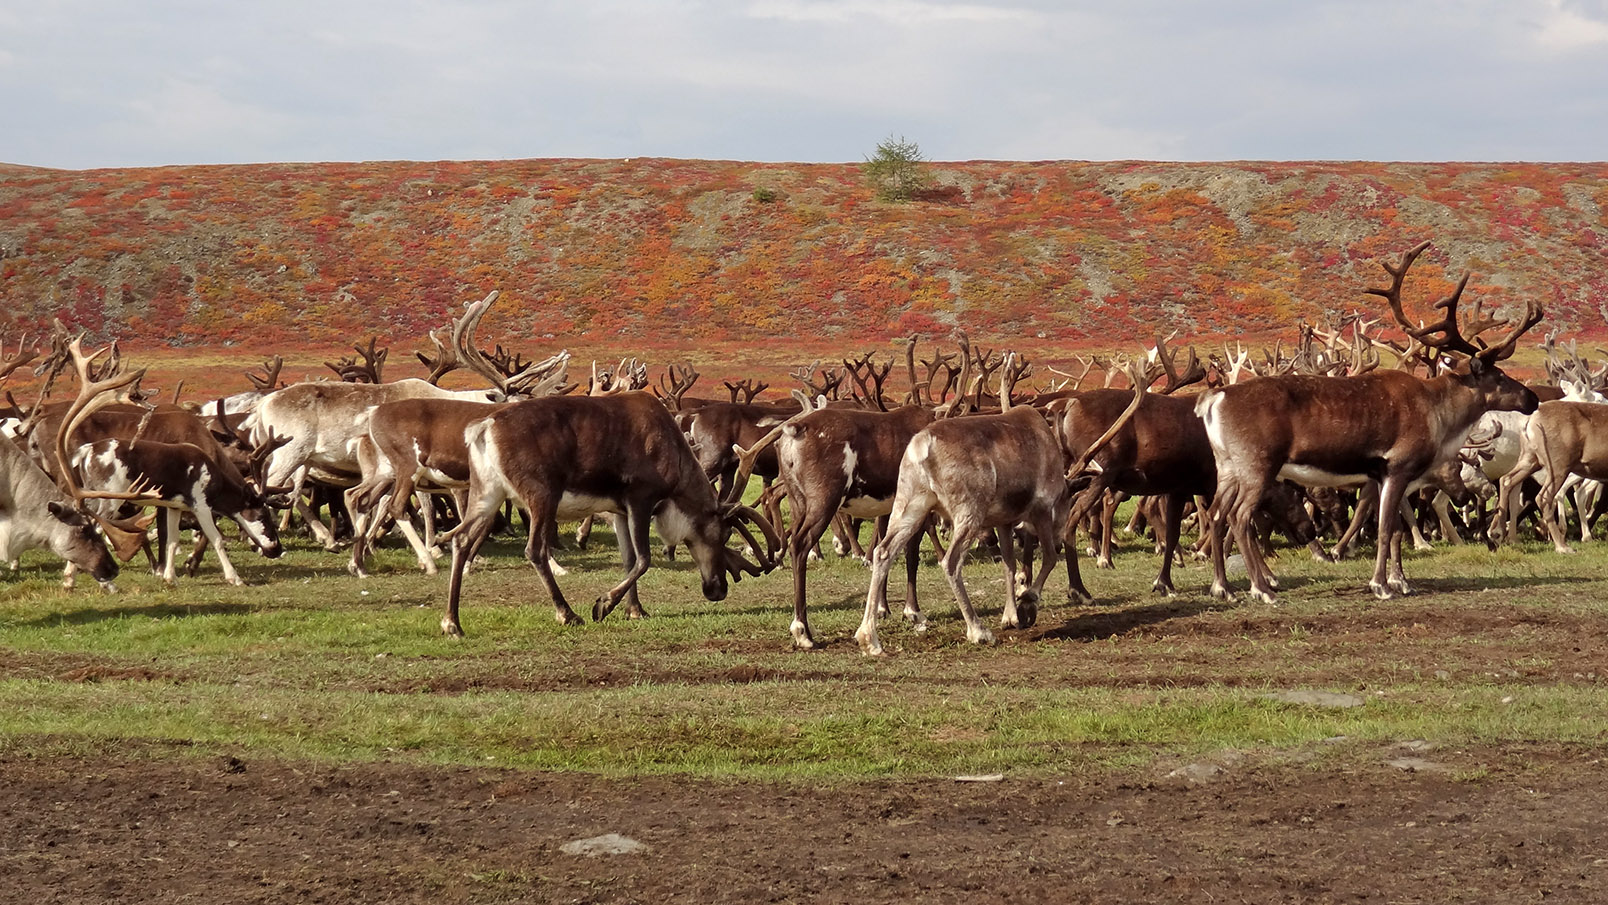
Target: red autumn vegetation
646 257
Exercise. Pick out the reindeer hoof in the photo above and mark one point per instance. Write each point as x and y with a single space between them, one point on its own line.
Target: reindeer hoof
1381 591
1079 596
1264 596
917 620
869 644
979 635
801 635
1400 586
450 628
1164 589
1027 610
600 611
106 586
1104 562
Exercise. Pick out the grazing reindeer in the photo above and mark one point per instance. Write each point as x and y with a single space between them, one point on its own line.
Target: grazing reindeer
983 471
33 513
565 456
187 475
1389 425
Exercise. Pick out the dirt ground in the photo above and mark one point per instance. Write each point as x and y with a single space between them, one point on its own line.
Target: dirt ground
122 828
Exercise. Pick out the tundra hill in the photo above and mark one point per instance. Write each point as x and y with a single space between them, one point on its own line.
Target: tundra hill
650 254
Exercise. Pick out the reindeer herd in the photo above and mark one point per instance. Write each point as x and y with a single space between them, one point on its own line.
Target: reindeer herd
1305 443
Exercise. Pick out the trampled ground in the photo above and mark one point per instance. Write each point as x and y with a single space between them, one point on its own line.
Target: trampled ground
311 738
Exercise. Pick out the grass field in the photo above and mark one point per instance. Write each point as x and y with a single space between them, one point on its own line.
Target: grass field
307 663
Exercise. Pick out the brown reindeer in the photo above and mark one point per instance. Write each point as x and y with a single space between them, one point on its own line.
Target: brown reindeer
565 456
1386 425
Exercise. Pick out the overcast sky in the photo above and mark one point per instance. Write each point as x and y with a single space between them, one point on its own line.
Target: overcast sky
93 83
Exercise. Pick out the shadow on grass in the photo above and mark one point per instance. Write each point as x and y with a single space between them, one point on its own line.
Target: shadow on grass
1100 626
154 611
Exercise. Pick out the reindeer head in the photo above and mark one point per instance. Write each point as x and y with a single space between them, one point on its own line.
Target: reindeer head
708 530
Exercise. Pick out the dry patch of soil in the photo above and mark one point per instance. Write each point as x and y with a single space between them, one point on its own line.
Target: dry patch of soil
1390 828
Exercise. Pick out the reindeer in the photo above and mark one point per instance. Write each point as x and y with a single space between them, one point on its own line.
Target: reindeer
1162 451
198 482
1563 438
562 456
981 472
36 513
326 422
1387 425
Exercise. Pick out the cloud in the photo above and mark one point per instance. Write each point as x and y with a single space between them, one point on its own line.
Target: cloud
1571 27
105 83
188 113
898 12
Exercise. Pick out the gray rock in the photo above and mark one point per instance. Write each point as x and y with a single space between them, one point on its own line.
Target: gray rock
1316 698
1416 765
606 844
1196 773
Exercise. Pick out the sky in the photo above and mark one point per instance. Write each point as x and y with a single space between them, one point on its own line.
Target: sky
115 83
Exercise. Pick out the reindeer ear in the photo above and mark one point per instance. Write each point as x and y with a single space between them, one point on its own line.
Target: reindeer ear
65 512
1476 366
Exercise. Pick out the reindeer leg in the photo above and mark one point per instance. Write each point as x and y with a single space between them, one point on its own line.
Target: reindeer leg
170 546
1442 504
1087 500
938 548
421 550
912 610
633 539
541 514
1410 516
192 566
1365 503
810 522
1173 516
426 503
966 533
1388 579
1108 514
1044 532
1008 617
1546 504
209 528
909 512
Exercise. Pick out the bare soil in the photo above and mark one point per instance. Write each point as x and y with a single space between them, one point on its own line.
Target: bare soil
148 827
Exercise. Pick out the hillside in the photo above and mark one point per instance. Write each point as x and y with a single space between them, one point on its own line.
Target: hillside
655 254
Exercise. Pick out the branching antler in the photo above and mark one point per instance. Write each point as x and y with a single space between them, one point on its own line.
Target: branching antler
745 388
674 384
529 380
1192 372
819 381
25 354
368 371
1446 335
269 381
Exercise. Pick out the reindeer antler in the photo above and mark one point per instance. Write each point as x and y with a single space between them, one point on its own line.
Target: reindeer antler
349 370
1446 335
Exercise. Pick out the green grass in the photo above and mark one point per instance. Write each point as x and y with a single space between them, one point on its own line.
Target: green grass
309 663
